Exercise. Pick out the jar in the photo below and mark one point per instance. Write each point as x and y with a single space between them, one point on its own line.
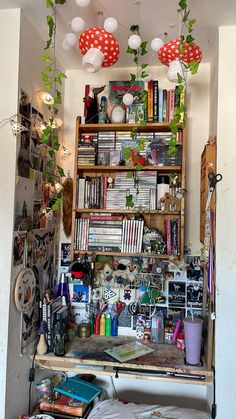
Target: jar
180 341
84 330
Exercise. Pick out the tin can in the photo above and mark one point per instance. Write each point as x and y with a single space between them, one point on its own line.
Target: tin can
84 330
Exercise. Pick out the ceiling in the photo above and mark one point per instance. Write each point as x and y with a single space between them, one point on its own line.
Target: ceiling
154 17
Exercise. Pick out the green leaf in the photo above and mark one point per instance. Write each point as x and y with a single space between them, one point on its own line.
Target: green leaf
55 143
135 29
127 153
57 205
50 163
173 127
51 152
48 44
136 60
61 75
60 171
57 98
57 79
45 135
129 201
144 66
141 144
144 45
144 74
49 3
46 58
130 50
138 167
189 39
48 69
132 78
182 48
183 4
44 77
180 78
47 85
51 25
130 175
133 132
60 1
193 67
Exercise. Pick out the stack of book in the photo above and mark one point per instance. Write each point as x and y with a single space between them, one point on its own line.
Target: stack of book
52 311
81 233
106 143
91 192
172 235
161 103
105 233
132 236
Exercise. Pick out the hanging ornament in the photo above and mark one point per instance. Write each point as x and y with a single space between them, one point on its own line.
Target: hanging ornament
100 49
64 153
82 3
170 51
16 127
71 39
134 41
110 25
77 24
128 99
156 44
174 69
65 46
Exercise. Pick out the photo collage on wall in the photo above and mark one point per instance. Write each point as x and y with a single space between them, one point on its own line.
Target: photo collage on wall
34 228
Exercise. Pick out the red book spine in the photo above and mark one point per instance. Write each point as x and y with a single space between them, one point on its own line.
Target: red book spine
105 192
168 237
172 104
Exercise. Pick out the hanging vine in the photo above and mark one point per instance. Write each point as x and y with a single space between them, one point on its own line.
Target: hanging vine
52 77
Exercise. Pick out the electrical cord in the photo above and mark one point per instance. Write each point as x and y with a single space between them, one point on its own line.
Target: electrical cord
31 380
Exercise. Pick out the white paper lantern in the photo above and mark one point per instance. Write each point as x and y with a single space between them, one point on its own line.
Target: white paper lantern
156 44
71 39
110 24
77 24
174 69
134 41
82 3
65 46
93 60
128 99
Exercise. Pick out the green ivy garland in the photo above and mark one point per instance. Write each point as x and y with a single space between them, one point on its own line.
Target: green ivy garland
52 77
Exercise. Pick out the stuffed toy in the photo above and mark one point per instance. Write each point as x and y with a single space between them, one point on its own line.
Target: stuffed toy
104 274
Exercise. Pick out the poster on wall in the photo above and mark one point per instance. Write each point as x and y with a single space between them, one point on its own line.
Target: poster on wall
23 201
24 104
23 161
18 248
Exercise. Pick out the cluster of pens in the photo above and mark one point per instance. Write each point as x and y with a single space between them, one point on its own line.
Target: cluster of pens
105 321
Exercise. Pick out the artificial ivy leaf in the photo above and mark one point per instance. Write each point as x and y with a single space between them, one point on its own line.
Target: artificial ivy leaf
51 26
50 163
135 28
60 171
132 78
62 75
173 127
57 79
127 153
133 132
185 17
44 77
48 44
136 60
130 50
193 67
183 4
55 143
182 48
57 98
51 152
138 166
48 69
180 78
45 135
144 74
45 57
129 201
143 66
49 3
129 175
47 85
57 205
189 39
60 1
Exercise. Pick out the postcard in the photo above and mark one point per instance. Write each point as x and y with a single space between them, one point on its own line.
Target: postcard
124 353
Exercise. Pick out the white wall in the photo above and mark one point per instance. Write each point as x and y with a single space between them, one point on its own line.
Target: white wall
197 126
225 228
9 53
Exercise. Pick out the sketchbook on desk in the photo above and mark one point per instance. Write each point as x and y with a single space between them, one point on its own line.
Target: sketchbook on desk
124 353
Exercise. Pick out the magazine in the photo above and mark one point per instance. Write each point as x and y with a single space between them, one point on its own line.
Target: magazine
117 90
124 353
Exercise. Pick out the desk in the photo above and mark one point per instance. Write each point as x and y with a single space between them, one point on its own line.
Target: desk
165 363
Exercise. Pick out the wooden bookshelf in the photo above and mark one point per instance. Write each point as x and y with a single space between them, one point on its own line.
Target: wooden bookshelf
152 218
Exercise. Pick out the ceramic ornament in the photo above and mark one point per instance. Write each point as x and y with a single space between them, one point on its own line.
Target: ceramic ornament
101 40
170 52
25 290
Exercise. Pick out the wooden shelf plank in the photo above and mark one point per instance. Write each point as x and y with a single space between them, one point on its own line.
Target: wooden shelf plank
163 169
144 255
149 126
121 211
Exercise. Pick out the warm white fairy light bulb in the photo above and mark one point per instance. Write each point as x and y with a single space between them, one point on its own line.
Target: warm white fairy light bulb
82 3
128 99
156 44
110 24
174 69
71 39
77 24
134 41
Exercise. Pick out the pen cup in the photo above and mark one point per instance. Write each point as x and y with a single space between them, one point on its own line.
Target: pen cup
193 340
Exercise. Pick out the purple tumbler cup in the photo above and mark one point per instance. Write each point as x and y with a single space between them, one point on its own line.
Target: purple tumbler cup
193 340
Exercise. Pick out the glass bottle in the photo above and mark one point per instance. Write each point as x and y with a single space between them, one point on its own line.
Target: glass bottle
102 116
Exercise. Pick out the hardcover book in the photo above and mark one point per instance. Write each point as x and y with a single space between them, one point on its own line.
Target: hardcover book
79 389
117 90
64 404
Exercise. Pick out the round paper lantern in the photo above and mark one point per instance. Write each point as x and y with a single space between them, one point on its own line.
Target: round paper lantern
170 52
134 41
71 39
128 99
82 3
110 24
93 60
77 24
100 39
65 46
156 44
174 69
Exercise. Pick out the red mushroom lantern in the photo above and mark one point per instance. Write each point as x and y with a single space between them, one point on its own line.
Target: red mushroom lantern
99 49
170 51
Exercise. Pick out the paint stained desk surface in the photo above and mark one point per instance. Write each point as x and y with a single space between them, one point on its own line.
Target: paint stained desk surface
89 352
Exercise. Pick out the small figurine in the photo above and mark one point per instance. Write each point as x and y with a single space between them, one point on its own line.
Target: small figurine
92 107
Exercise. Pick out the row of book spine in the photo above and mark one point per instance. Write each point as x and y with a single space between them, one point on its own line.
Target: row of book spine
172 235
91 192
162 102
49 310
132 236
